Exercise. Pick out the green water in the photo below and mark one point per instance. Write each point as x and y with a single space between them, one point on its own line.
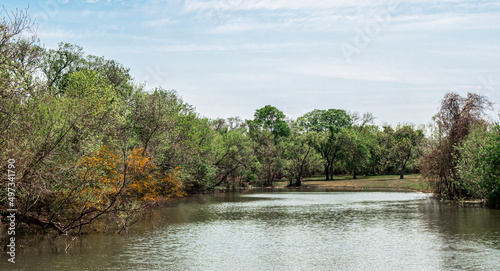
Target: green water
285 231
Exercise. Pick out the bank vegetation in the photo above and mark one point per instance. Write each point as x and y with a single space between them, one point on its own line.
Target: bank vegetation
90 143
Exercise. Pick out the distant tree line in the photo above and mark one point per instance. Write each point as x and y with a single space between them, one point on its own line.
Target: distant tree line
91 144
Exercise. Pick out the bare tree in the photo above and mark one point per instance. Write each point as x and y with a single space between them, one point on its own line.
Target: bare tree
455 119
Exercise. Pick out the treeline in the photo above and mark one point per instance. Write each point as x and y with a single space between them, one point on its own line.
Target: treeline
89 143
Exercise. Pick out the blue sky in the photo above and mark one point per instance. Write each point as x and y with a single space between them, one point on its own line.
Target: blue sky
395 59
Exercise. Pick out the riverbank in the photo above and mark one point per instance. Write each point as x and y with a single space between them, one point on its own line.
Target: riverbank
413 182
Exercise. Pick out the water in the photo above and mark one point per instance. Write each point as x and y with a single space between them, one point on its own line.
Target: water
285 231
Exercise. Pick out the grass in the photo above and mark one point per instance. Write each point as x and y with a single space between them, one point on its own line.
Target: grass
410 182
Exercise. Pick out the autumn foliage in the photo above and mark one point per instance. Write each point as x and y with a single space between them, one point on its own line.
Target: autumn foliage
147 183
104 175
107 183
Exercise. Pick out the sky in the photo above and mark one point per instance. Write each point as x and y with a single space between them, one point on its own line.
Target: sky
395 59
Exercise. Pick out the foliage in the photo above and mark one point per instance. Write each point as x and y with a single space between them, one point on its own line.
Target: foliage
79 155
268 131
90 144
331 120
455 119
233 156
478 167
355 148
58 65
301 158
269 119
328 124
405 149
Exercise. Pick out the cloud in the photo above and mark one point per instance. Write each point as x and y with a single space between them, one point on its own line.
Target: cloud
370 71
459 21
58 34
193 5
237 47
158 22
251 15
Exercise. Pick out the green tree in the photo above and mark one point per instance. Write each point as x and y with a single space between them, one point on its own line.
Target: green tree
355 149
407 140
171 131
232 155
58 64
270 119
53 134
327 123
301 157
479 165
268 131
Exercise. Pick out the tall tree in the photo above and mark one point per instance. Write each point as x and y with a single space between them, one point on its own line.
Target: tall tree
232 154
327 123
19 60
270 119
58 64
454 120
301 157
355 149
268 130
407 140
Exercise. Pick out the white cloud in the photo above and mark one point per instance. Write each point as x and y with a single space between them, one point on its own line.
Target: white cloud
237 47
59 34
332 15
447 22
374 72
158 22
192 5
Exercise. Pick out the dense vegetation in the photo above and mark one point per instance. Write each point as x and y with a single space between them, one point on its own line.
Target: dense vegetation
89 143
462 158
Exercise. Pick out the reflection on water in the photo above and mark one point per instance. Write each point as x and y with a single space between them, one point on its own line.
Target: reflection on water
286 231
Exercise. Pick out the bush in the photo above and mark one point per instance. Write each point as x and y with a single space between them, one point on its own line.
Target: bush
479 165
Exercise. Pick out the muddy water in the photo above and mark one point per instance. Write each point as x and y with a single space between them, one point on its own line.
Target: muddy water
301 230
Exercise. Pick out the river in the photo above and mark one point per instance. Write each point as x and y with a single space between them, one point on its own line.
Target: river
285 230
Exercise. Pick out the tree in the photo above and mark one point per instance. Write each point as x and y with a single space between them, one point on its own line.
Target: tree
153 117
301 157
76 159
385 141
19 57
478 167
176 137
453 123
270 119
327 123
407 140
268 130
355 150
58 64
52 135
19 53
232 154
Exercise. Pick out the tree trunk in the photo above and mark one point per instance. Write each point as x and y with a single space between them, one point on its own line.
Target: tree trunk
354 175
402 172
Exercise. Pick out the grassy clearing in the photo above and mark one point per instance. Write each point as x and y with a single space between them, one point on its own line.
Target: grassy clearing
410 182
